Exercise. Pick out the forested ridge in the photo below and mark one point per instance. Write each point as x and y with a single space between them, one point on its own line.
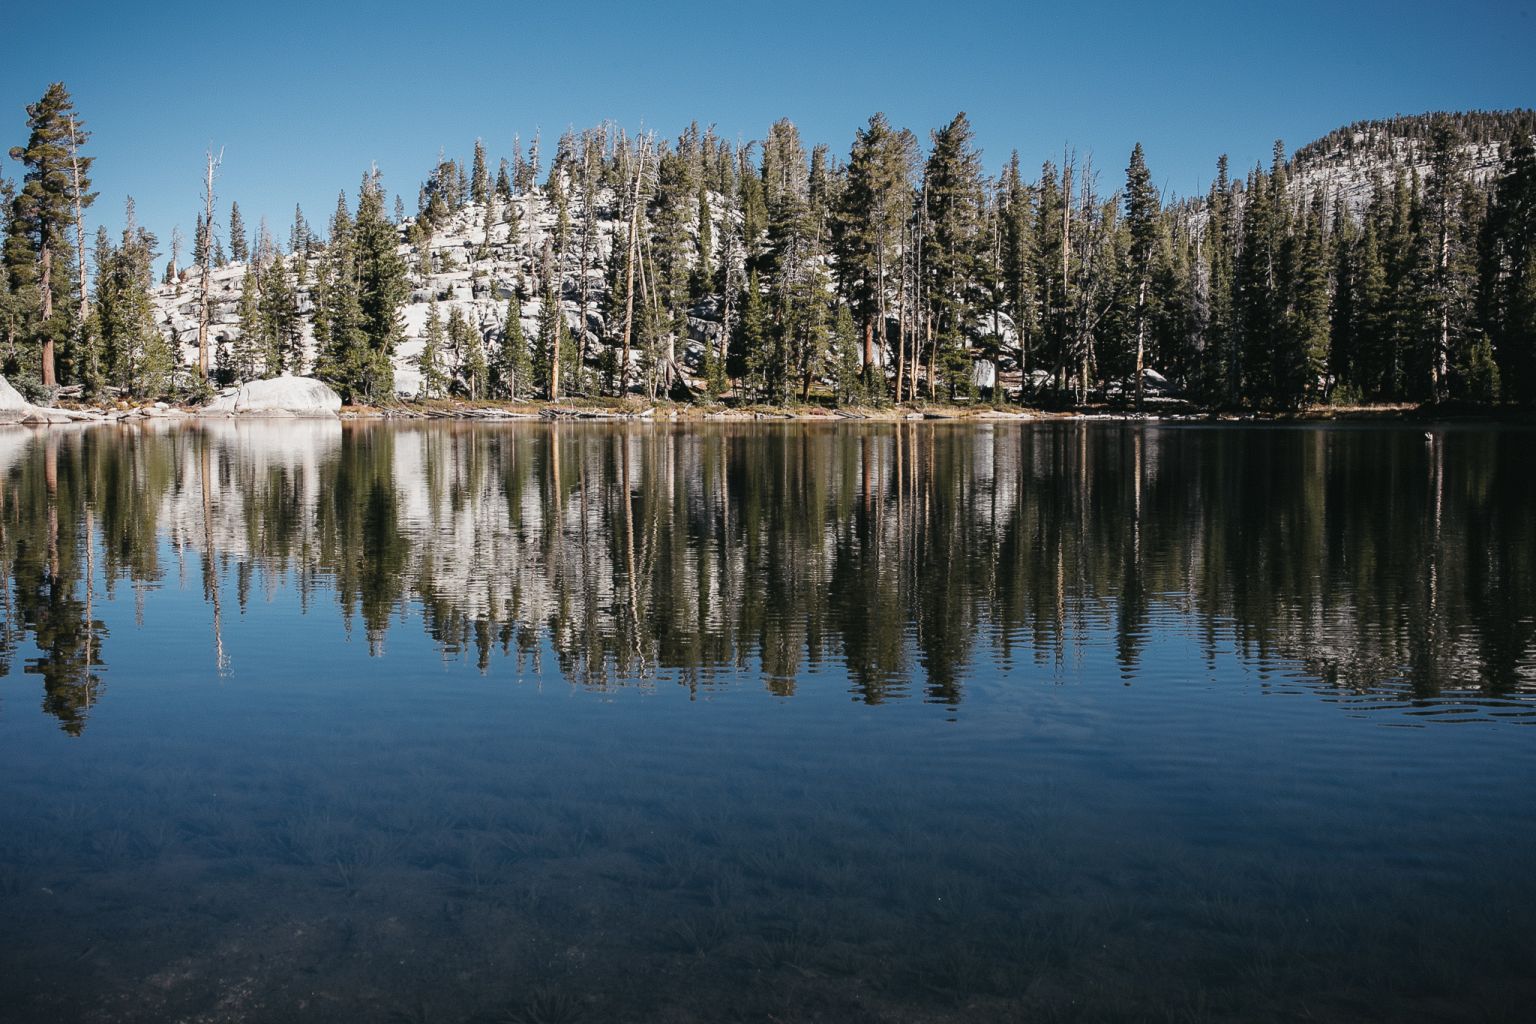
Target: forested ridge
1390 261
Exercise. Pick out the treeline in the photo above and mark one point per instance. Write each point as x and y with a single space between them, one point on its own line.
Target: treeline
770 272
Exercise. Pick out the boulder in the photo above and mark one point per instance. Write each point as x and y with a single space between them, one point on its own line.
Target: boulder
16 409
13 408
279 396
222 405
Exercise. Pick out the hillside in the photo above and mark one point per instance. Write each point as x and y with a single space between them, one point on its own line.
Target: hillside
474 270
1343 163
465 272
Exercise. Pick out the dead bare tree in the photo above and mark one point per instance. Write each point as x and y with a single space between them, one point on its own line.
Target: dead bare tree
205 258
78 194
629 267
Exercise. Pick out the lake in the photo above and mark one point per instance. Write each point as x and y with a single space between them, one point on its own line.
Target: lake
314 721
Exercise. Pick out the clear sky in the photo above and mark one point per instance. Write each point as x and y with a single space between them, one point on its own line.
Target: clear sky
303 96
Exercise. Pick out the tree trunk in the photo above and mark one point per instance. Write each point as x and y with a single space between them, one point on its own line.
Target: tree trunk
933 360
725 318
45 261
74 170
207 266
869 349
554 366
879 307
1066 264
901 330
629 275
1141 336
1441 368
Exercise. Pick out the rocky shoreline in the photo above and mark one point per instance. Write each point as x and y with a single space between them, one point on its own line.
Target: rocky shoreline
301 397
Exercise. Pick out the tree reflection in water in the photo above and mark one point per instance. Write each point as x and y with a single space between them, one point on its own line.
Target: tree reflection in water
1388 567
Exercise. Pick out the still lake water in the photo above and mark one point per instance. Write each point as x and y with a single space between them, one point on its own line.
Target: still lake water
922 722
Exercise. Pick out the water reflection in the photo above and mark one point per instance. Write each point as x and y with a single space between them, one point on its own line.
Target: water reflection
1083 724
1389 569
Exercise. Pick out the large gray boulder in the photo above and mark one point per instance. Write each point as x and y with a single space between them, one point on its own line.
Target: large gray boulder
13 408
16 409
279 396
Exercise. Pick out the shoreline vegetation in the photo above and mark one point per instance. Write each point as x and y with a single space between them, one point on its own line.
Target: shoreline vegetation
640 410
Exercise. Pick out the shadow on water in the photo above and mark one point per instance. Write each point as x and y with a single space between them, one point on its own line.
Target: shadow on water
898 722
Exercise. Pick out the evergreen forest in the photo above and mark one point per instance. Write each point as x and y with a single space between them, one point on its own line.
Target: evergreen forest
1388 262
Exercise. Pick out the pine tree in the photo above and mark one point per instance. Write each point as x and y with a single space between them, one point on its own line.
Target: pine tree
673 248
1257 295
1302 359
873 207
282 328
1018 265
249 352
1507 271
752 348
1343 314
1450 256
434 381
823 191
1053 302
200 241
504 184
754 211
1179 312
134 354
1221 351
12 303
1371 331
300 242
716 383
512 369
480 179
368 371
554 339
952 242
849 377
474 372
792 263
1142 206
804 323
458 343
339 325
239 245
42 211
1400 315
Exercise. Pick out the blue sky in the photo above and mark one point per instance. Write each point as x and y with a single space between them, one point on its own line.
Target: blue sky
303 96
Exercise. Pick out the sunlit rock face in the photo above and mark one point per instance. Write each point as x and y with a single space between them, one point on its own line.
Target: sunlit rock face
13 407
279 396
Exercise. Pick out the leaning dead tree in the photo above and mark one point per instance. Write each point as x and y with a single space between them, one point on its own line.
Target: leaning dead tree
629 267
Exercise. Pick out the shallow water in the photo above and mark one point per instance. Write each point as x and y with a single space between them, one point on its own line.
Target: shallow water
921 722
